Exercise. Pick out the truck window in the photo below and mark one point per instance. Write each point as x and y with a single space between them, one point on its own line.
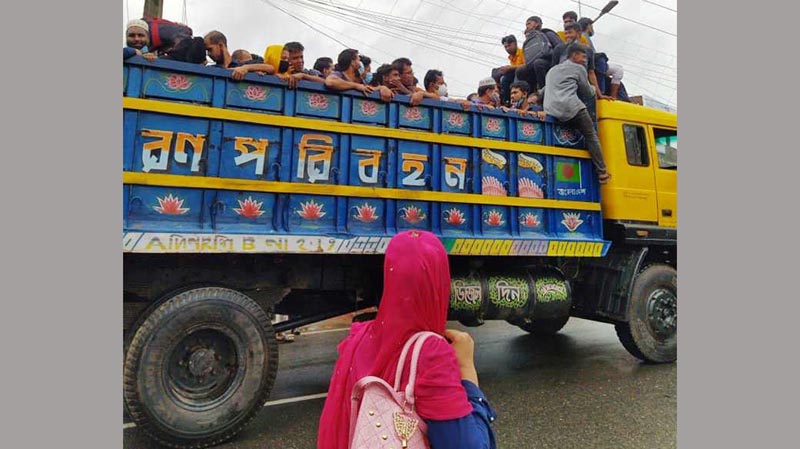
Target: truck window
666 147
636 145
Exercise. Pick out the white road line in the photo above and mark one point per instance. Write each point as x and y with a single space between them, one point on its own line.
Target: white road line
325 331
266 404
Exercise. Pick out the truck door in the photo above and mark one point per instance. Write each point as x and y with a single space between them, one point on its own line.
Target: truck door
665 151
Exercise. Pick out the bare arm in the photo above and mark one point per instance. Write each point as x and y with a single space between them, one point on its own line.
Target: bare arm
596 85
336 83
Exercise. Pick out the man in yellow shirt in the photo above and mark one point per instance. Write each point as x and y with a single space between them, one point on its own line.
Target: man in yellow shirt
504 75
568 17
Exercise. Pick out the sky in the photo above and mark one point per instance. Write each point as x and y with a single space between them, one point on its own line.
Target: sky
459 37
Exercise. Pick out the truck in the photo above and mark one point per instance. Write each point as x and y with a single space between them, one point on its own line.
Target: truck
243 199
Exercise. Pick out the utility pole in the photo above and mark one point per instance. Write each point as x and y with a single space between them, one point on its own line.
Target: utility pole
153 8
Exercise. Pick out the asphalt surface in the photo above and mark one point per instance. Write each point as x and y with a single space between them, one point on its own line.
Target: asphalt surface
577 389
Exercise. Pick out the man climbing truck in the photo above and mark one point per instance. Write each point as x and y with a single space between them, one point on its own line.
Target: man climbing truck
247 198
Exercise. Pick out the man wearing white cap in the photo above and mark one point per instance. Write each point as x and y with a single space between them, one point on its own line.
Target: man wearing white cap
487 93
137 36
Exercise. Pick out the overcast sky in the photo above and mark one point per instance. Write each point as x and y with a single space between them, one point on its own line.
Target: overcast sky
649 56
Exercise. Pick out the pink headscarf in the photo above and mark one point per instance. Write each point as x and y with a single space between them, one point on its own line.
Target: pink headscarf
416 293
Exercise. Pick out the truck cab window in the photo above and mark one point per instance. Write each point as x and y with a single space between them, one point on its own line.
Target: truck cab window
636 145
667 148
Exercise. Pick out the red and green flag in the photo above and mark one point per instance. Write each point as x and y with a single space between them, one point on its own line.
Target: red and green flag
568 172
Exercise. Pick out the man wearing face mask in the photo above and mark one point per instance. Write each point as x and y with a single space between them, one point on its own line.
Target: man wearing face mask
536 49
346 76
487 94
297 70
520 103
365 70
435 85
217 49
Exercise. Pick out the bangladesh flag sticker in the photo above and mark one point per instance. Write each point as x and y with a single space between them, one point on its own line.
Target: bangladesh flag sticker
568 172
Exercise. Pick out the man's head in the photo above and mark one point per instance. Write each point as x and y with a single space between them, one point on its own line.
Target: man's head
386 75
576 53
216 46
587 25
367 61
137 34
403 65
241 56
472 96
295 50
510 44
569 16
572 31
433 79
519 91
348 60
486 87
324 65
533 23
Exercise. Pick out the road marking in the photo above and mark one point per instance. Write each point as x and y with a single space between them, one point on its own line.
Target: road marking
325 331
266 404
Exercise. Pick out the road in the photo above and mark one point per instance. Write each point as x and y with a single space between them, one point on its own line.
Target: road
577 389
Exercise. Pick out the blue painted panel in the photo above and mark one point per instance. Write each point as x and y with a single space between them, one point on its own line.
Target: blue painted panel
311 214
370 111
170 144
414 170
317 104
531 175
576 224
456 122
496 221
125 70
530 131
572 178
254 96
250 151
368 161
177 86
456 219
533 222
315 156
567 137
494 127
129 128
419 117
456 173
495 168
366 216
165 209
413 215
244 212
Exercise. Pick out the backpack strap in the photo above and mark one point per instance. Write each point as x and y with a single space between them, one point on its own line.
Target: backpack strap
409 392
402 362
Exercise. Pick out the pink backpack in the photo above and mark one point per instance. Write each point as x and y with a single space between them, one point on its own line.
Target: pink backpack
383 417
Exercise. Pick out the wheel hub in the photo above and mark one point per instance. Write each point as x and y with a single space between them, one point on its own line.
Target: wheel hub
662 312
202 368
201 362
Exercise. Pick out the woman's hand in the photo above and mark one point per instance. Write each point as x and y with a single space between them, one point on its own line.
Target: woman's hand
464 347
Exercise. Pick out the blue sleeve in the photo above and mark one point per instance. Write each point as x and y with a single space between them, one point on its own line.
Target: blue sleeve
128 52
473 431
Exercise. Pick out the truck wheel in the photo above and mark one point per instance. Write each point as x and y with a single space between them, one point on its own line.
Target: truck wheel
545 326
199 367
651 333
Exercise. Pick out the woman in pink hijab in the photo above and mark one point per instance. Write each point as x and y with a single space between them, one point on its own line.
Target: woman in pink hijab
415 298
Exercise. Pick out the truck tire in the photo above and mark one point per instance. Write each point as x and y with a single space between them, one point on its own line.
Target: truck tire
199 367
651 332
545 326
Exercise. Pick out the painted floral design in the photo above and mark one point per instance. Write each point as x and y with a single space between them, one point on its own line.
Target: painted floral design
528 129
529 189
369 108
454 217
494 218
249 208
365 213
311 210
178 82
412 214
529 220
493 125
170 205
255 93
492 186
455 120
413 115
318 101
571 220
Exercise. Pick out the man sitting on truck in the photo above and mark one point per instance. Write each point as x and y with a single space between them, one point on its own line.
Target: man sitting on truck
409 82
346 76
520 102
536 49
137 37
564 82
504 75
572 32
571 17
297 70
608 71
217 49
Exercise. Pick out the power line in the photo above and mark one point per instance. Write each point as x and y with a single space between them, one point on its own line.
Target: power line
305 23
660 6
629 20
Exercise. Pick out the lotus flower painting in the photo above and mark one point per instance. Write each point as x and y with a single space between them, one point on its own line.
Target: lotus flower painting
311 210
572 220
249 208
454 217
529 220
170 205
365 213
494 218
412 214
